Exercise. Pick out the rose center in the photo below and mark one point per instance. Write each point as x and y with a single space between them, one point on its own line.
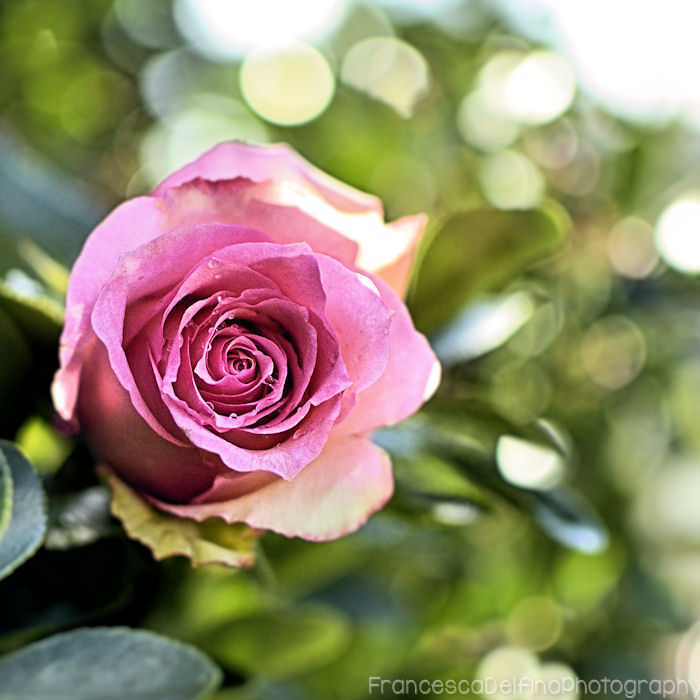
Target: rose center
239 361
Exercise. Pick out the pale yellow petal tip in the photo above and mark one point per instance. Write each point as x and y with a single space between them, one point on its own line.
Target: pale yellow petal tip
411 227
417 221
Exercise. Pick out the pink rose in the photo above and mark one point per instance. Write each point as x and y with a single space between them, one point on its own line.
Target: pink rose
232 339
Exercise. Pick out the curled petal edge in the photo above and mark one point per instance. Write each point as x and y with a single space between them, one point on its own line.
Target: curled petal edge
332 496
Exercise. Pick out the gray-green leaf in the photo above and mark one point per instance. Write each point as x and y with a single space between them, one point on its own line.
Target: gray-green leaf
26 528
104 663
5 494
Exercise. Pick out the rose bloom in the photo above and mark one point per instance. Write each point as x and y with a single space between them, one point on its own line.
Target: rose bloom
232 339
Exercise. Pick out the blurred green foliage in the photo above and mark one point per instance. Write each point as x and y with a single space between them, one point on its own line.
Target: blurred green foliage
558 326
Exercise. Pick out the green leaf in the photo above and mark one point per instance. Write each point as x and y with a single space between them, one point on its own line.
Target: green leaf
27 526
282 643
479 251
566 517
444 509
211 541
302 567
466 434
431 486
45 447
563 514
99 663
207 597
5 494
52 273
36 313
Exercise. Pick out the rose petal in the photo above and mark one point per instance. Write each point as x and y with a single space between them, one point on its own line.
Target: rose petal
284 210
411 375
181 387
361 321
246 451
261 391
136 277
122 439
130 225
331 497
272 162
289 213
296 273
402 238
201 282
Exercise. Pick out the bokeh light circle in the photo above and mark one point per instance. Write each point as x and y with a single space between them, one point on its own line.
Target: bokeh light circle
677 234
287 85
227 30
540 88
389 70
510 180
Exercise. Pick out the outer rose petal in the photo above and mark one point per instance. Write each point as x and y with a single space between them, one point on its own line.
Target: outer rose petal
410 378
130 225
289 213
286 211
362 323
273 162
402 243
331 497
122 438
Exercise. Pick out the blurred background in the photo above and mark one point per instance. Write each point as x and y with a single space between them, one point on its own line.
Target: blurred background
547 516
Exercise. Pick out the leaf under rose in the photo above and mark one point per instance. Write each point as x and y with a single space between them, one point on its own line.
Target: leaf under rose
208 542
